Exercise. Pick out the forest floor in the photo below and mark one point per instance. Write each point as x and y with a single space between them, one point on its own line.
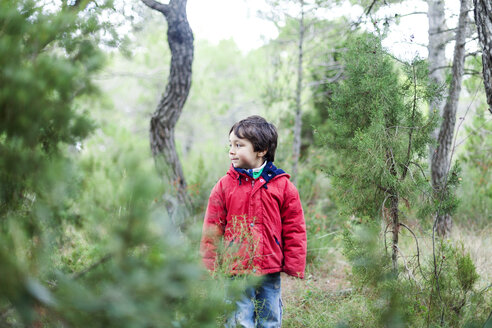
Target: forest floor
330 278
308 302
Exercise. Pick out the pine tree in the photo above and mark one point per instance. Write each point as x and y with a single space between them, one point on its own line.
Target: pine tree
378 132
82 243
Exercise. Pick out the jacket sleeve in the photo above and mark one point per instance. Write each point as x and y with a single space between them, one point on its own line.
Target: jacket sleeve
293 233
213 226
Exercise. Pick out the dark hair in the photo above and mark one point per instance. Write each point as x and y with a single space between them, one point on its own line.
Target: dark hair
259 132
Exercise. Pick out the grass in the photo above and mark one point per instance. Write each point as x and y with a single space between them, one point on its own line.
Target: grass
325 298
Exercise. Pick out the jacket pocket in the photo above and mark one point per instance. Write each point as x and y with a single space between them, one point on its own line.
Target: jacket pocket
277 242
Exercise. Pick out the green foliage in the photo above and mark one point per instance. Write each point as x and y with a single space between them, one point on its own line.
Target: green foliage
444 295
451 296
447 200
465 271
279 91
84 241
376 128
46 61
362 249
323 223
389 298
476 187
378 131
150 277
320 308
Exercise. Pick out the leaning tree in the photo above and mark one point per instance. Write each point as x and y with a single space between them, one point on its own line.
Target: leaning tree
483 19
166 115
441 159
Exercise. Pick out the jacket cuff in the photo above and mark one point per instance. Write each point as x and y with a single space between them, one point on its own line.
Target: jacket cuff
292 273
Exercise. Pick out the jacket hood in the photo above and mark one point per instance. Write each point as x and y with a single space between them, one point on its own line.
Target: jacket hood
269 172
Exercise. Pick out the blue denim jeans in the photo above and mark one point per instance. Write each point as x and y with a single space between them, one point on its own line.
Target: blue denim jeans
260 306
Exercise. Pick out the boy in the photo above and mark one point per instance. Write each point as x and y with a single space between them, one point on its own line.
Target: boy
257 211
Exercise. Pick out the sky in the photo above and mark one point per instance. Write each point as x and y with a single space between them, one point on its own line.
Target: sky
215 20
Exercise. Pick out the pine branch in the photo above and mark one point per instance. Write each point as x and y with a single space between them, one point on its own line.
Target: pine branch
418 248
405 170
412 13
102 260
368 11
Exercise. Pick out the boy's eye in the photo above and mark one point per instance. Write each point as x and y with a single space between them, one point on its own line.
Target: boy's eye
238 145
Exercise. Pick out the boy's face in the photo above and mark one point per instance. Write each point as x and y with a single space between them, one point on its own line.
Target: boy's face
242 154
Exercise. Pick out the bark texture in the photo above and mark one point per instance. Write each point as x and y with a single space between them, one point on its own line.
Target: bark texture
395 222
441 159
438 37
483 20
298 117
394 214
166 115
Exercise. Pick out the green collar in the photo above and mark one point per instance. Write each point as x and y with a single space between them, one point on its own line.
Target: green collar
257 171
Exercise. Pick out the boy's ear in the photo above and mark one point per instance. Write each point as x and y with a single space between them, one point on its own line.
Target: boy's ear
262 153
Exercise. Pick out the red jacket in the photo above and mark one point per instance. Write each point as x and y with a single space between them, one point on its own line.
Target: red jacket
261 222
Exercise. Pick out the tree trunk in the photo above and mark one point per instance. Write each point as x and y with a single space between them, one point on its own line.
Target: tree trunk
441 160
437 57
163 121
395 222
483 20
298 117
394 214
